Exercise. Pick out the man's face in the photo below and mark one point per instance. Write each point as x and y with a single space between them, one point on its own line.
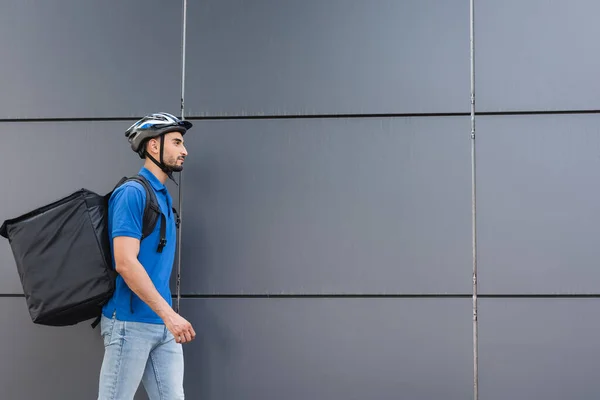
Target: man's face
174 152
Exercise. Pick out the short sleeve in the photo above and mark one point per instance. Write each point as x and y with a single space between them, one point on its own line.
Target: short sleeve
126 208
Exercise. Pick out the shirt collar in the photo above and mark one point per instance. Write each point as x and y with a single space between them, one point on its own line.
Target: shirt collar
156 184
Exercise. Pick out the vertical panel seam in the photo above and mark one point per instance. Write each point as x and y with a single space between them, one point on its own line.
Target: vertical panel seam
473 201
180 185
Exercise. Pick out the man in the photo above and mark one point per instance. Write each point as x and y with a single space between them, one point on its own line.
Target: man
142 333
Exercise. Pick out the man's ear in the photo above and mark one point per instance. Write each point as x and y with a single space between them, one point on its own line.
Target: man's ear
153 146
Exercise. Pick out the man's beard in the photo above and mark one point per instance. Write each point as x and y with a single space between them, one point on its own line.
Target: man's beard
172 165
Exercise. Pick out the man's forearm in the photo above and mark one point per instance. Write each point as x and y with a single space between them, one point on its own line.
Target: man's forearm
136 277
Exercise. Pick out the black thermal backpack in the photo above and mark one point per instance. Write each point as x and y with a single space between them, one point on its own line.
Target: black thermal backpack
63 256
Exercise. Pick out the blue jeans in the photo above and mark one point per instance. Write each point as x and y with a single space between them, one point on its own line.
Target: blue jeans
137 352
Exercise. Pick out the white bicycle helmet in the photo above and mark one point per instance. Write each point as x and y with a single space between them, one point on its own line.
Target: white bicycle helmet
152 126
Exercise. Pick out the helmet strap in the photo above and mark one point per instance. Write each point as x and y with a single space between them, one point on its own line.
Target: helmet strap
161 164
162 148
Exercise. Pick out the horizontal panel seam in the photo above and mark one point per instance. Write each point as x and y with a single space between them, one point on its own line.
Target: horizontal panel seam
432 295
310 116
370 295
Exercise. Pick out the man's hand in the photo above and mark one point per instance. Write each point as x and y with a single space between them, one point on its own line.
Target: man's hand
136 277
180 328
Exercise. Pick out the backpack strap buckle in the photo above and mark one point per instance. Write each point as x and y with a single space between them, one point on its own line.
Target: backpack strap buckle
163 233
161 245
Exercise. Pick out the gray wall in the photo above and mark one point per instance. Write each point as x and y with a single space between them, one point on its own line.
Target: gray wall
327 196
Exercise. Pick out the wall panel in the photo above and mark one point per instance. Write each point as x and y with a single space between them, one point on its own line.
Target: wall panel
335 349
538 202
327 57
68 58
42 362
536 55
46 161
328 206
538 349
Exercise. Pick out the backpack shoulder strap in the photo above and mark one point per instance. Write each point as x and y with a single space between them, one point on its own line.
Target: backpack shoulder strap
151 211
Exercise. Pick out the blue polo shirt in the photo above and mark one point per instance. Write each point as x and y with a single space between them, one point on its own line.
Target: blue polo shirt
126 210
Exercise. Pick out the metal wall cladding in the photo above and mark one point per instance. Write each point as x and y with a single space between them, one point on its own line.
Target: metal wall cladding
538 202
537 55
68 58
38 362
46 161
538 349
378 205
327 57
42 362
335 349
